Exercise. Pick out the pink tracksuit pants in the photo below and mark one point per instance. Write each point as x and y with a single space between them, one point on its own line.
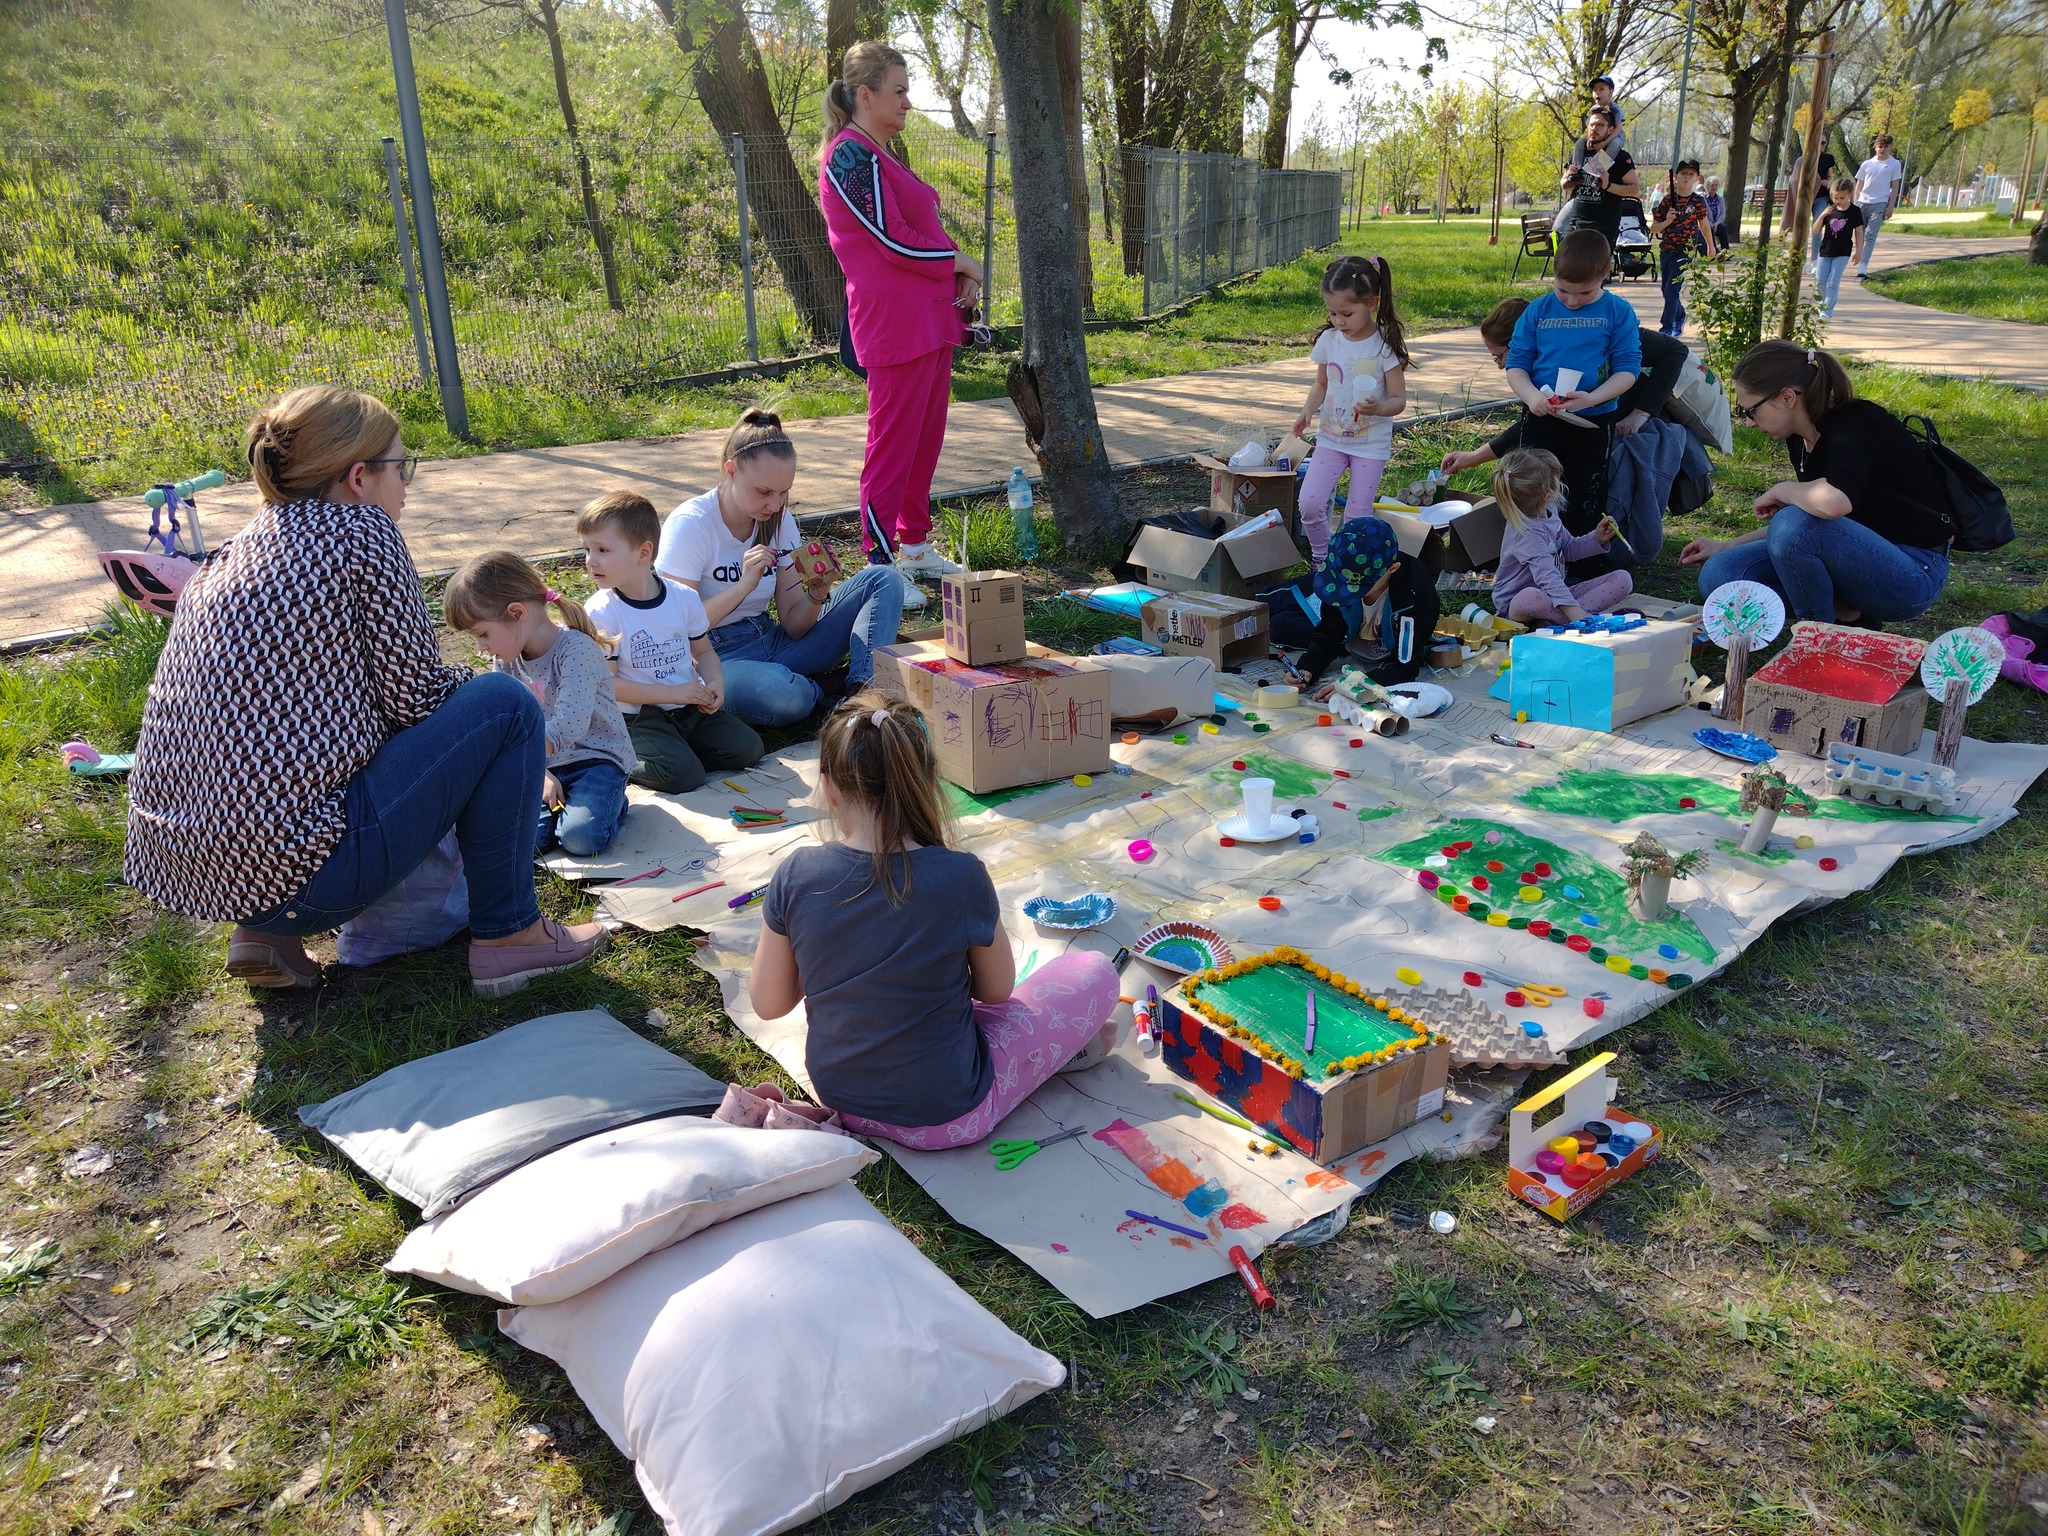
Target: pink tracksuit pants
906 429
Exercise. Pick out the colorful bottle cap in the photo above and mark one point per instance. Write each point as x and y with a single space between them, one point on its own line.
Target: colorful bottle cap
1599 1130
1447 894
1339 805
1532 1029
1141 850
1542 871
1494 866
1590 919
1464 845
1474 979
1639 973
1409 976
1180 738
1571 892
1540 926
1656 975
1548 1161
1478 908
1497 919
1238 765
1596 954
1212 728
1678 981
1322 719
1517 1000
1227 842
1829 864
1461 901
1434 860
1518 923
1261 728
1428 879
1618 963
1579 942
1668 951
1564 1146
1249 715
1592 1007
1591 1160
1494 835
1530 893
1803 840
1621 1143
1269 903
1358 741
1687 803
1557 936
1130 738
1528 877
1574 1176
1479 883
1083 780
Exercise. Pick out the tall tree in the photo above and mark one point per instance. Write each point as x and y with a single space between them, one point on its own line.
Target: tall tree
1562 46
846 22
1066 24
1050 383
732 86
946 34
1747 44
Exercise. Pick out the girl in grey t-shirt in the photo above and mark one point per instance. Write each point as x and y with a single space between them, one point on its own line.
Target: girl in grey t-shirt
919 1030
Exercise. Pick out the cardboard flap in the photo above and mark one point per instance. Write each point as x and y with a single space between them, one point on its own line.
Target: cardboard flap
1218 466
1417 539
1177 554
1261 553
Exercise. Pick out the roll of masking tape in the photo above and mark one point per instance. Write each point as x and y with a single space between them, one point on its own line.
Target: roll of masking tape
1276 698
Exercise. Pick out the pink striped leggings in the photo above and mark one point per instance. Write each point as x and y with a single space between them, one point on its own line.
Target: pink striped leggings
1319 483
1052 1015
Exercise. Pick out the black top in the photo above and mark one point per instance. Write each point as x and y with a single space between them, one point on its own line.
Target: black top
1600 208
1410 594
1866 453
1663 360
1838 228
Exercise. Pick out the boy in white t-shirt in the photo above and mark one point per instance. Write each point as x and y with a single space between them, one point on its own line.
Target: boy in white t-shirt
670 685
1878 183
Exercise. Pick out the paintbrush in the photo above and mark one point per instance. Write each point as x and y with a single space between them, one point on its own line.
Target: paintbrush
1308 1035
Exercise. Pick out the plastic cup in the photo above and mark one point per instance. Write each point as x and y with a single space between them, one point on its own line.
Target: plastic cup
1258 806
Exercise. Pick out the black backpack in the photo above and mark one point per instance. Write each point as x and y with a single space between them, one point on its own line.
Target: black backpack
1977 515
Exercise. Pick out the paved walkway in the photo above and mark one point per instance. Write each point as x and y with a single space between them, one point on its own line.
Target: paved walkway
524 499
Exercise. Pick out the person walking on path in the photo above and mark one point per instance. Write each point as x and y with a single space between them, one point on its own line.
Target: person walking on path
908 290
1860 533
1681 227
1879 181
1599 180
304 747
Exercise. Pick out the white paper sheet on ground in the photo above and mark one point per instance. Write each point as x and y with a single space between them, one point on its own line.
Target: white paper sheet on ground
1581 793
675 829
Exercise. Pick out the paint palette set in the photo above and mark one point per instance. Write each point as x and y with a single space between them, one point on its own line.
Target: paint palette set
1568 1162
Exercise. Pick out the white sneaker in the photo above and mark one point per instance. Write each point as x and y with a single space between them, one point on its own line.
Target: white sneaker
913 594
922 557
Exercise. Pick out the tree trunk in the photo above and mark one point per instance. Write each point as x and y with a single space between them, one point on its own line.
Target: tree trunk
1054 368
1286 51
2037 248
950 79
1123 35
550 23
1066 24
1742 110
846 23
726 71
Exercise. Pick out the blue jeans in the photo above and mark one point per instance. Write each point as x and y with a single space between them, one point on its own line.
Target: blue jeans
768 674
1828 272
474 764
1817 562
594 802
1671 267
1873 221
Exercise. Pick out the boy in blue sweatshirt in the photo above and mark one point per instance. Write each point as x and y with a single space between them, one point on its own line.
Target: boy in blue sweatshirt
1577 326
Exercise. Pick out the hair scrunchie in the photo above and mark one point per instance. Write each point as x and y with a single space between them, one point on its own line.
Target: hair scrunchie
880 717
552 595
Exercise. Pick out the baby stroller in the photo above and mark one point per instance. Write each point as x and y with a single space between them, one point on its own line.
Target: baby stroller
1632 247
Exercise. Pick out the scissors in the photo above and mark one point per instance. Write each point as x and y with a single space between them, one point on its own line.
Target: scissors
1008 1154
1539 994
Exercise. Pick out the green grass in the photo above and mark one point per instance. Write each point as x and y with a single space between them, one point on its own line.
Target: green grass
1856 1184
1997 287
1966 225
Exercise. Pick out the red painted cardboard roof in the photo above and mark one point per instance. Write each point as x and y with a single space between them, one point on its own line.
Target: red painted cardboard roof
1861 665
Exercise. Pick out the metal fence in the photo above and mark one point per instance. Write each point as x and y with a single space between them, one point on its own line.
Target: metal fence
154 294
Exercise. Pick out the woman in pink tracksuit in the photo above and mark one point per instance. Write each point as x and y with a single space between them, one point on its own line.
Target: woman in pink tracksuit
907 286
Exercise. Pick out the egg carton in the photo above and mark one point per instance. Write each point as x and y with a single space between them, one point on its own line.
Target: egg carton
1881 778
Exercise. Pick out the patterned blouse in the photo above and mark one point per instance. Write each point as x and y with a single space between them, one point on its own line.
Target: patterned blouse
297 650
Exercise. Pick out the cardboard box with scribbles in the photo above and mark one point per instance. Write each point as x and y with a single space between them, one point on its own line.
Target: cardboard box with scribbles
1007 724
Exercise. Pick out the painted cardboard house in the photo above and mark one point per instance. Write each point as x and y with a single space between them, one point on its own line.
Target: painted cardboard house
1833 684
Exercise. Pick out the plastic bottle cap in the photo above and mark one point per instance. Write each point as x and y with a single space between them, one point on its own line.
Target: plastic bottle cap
1083 780
1564 1146
1238 764
1261 728
1548 1161
1571 892
1543 871
1574 1176
1618 963
1497 919
1461 902
1212 728
1531 893
1408 975
1442 1223
1517 1000
1668 951
1227 842
1130 738
1579 942
1532 1029
1479 883
1687 803
1358 741
1322 719
1494 836
1494 866
1593 1007
1540 926
1474 979
1141 850
1802 841
1180 738
1428 879
1829 864
1590 919
1269 903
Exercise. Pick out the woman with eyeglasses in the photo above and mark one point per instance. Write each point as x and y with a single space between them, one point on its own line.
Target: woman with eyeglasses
304 747
1860 533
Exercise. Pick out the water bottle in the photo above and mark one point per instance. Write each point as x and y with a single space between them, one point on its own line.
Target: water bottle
1020 515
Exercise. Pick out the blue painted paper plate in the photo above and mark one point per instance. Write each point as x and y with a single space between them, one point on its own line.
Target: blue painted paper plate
1740 745
1089 911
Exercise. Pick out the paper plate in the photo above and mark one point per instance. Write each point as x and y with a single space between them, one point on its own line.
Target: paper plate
1740 745
1183 947
1089 911
1238 830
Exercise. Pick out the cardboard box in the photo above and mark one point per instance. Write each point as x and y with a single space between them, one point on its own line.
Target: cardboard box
1236 567
1248 492
1834 684
1325 1118
1228 630
1015 722
983 616
1418 540
1585 1098
1600 678
1471 539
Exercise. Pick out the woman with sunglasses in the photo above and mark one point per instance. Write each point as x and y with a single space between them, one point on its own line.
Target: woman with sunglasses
304 747
1860 532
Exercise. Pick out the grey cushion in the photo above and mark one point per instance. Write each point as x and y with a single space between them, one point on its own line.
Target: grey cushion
438 1129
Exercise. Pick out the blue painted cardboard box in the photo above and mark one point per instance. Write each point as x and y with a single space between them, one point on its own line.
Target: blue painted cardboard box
1599 674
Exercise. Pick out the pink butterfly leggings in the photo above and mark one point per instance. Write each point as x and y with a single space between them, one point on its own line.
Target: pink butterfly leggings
1052 1015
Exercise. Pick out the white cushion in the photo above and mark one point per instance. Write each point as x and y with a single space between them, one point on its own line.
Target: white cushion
581 1214
437 1129
767 1370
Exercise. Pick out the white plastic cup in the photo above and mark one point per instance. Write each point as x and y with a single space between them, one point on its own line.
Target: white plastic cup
1258 806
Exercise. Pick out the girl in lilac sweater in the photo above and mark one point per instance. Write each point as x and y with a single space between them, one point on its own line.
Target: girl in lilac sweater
1530 587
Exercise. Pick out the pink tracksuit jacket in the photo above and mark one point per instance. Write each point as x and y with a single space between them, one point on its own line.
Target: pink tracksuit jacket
897 257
